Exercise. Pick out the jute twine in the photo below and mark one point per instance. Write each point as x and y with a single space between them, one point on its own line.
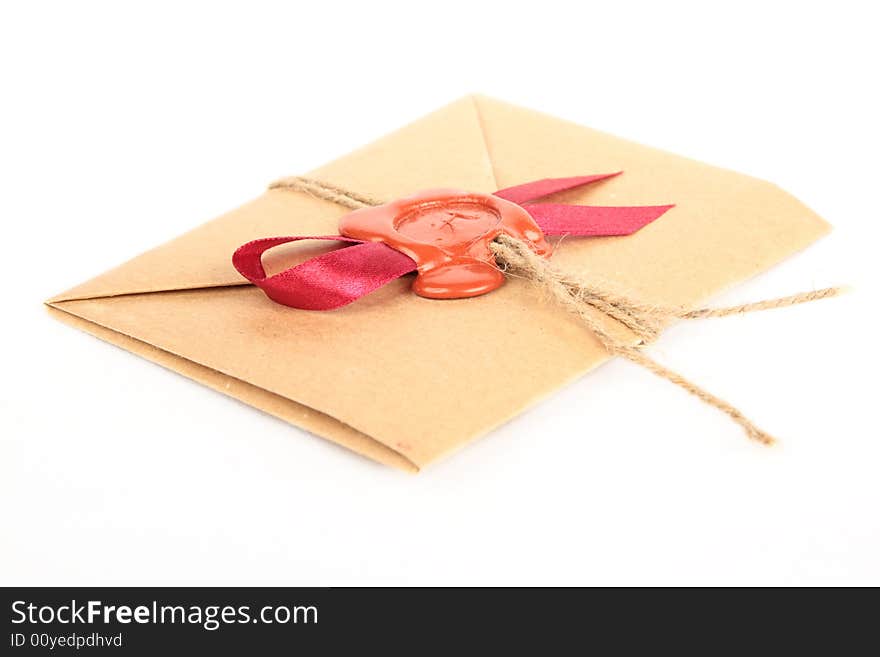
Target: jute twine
582 298
325 191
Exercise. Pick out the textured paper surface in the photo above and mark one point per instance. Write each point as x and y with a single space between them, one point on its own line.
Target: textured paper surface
402 379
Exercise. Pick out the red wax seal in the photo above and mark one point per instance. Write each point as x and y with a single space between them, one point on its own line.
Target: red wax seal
447 232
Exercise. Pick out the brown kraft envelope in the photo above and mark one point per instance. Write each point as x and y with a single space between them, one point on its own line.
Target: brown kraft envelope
406 380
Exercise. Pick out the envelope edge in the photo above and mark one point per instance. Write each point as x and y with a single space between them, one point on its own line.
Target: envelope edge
314 422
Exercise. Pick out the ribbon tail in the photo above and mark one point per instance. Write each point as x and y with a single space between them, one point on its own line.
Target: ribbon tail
539 188
593 220
328 281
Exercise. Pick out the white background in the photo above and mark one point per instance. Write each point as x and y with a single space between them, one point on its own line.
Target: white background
123 125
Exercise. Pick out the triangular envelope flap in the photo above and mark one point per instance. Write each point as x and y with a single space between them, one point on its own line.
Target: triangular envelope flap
725 227
443 149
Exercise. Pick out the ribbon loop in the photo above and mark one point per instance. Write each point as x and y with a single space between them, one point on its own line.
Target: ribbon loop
328 281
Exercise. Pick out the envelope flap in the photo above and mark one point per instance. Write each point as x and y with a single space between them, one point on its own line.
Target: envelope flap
726 227
444 149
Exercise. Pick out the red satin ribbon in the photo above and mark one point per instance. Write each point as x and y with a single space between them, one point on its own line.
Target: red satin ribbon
592 220
327 281
522 194
339 277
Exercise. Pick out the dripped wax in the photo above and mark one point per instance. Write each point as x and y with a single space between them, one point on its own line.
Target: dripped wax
447 233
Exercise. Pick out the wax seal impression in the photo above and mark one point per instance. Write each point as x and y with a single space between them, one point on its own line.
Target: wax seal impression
447 232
